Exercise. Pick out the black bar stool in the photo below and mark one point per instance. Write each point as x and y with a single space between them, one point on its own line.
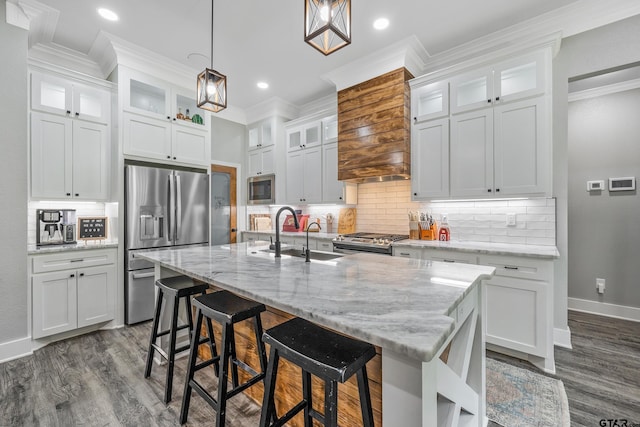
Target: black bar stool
176 288
325 354
226 309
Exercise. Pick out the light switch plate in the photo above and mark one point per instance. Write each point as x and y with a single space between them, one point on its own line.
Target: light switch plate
511 219
595 185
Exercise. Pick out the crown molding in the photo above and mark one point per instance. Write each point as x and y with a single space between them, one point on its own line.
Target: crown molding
55 56
407 53
566 21
39 19
272 107
327 104
604 90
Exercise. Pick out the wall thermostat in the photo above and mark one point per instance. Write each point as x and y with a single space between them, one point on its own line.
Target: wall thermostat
595 185
622 184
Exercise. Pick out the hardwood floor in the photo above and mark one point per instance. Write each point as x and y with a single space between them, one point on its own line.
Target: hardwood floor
97 379
601 374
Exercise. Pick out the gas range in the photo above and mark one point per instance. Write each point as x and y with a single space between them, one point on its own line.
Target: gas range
366 242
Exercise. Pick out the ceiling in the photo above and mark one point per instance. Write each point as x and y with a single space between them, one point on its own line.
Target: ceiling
258 40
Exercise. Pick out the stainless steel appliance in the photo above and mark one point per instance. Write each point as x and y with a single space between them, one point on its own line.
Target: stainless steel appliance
164 208
366 242
261 190
55 227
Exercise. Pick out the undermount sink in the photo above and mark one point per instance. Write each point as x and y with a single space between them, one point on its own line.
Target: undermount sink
318 256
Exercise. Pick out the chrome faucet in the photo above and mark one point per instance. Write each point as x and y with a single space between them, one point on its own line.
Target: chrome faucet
307 257
295 220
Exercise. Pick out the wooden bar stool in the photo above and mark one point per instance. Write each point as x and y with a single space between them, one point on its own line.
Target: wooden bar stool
330 356
226 309
174 288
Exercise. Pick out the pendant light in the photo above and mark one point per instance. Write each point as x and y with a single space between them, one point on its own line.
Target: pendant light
212 85
327 24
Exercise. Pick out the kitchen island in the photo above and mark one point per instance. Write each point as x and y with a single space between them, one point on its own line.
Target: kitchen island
425 316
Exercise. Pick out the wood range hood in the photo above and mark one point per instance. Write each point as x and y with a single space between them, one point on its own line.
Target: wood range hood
374 129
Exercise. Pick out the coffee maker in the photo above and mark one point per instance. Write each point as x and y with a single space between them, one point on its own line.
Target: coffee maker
55 226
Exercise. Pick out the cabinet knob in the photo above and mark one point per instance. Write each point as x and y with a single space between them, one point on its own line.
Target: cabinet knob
68 194
68 111
497 190
415 194
340 197
168 117
497 98
77 114
77 195
174 119
168 157
415 119
72 276
489 101
233 230
174 158
488 190
81 274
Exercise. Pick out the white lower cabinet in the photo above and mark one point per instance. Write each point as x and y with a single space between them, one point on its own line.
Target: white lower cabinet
518 304
72 290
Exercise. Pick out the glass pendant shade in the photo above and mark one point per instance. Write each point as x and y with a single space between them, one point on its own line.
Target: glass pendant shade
327 24
212 90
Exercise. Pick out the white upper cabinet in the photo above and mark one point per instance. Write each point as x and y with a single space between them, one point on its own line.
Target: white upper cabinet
262 134
304 176
261 162
430 101
161 121
511 80
305 136
430 159
57 95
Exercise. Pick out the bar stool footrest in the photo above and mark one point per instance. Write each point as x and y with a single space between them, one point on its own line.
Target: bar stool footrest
245 385
290 414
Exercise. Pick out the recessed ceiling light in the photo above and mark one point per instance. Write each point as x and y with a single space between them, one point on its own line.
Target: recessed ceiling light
263 85
108 14
380 23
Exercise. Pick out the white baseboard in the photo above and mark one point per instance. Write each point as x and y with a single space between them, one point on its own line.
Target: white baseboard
562 337
15 349
604 309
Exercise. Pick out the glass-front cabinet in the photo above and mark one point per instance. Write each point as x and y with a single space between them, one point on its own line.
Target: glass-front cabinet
430 102
62 96
471 91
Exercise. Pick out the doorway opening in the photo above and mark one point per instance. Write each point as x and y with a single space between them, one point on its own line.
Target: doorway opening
224 216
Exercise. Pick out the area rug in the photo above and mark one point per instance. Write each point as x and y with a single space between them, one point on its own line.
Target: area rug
518 397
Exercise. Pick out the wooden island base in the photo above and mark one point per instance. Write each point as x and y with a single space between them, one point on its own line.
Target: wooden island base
289 382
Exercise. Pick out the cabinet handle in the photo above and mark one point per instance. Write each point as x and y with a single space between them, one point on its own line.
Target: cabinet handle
508 267
405 254
448 260
233 230
488 190
72 276
76 260
81 274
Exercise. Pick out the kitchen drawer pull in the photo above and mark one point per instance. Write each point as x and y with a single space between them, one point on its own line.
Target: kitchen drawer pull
405 254
77 260
449 260
143 275
508 267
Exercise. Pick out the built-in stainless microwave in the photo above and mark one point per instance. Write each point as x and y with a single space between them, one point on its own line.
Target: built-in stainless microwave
261 190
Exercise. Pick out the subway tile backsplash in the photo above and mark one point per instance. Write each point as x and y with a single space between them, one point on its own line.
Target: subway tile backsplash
384 207
83 209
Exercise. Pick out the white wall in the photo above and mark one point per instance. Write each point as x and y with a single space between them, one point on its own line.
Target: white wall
13 187
606 47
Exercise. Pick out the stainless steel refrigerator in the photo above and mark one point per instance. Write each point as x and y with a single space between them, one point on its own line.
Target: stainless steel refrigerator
164 208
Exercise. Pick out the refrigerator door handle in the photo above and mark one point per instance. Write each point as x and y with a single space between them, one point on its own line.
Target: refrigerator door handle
178 207
172 204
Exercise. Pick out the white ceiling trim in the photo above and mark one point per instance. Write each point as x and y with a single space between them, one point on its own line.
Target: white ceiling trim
64 58
272 107
569 20
604 90
408 53
40 19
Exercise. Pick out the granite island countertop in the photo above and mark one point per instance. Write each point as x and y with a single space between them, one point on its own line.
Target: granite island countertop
396 303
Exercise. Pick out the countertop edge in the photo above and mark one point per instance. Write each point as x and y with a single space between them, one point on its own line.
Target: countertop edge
42 250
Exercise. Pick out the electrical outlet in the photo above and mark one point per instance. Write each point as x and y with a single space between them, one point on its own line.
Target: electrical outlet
600 285
511 219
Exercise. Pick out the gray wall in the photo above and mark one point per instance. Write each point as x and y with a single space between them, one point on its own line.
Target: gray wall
13 181
228 141
602 48
604 227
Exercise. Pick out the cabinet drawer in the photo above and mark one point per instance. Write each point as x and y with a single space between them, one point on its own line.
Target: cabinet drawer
449 256
406 252
523 268
72 260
